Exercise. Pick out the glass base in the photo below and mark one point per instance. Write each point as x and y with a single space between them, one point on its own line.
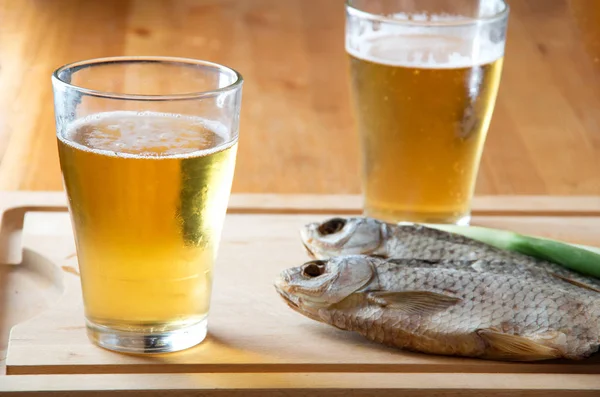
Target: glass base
419 217
464 221
147 343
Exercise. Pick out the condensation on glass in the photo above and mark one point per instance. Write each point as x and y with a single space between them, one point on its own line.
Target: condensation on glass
424 76
147 150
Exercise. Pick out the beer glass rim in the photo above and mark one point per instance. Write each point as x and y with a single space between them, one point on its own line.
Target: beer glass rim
466 21
77 65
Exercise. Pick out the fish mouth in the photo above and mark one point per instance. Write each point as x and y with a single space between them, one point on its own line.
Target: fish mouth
308 250
305 238
290 300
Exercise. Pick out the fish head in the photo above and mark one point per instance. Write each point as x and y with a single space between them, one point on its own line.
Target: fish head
345 236
319 284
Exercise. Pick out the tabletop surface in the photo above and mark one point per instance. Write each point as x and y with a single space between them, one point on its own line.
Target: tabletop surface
297 131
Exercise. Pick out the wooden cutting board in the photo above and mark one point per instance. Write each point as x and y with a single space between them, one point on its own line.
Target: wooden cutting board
251 331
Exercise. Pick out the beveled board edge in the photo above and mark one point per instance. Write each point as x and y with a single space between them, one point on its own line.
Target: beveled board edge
346 204
305 384
14 205
497 367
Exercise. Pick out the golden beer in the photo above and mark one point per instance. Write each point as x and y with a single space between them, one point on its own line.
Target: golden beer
148 194
423 112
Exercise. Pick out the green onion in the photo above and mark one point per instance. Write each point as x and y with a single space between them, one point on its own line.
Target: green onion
587 247
581 258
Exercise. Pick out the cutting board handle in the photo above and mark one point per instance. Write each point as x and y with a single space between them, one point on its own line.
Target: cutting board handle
13 207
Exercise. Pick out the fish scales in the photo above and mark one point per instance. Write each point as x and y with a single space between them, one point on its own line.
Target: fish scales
490 301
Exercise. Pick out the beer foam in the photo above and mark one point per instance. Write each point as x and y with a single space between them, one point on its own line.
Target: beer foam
147 135
431 46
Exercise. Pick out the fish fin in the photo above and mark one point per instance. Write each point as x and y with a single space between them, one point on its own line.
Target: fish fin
412 302
554 338
516 348
574 282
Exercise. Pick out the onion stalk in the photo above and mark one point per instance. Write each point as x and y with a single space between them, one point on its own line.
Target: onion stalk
581 258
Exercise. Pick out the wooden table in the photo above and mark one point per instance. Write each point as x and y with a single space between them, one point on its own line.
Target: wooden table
297 131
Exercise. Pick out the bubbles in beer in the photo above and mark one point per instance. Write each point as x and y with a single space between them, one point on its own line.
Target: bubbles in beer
145 134
148 194
432 46
424 88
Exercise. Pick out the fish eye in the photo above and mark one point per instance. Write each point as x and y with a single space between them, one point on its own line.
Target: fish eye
332 226
313 269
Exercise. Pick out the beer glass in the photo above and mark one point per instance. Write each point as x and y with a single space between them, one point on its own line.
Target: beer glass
424 78
147 149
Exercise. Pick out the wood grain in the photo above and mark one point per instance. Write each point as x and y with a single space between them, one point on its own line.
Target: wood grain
297 131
